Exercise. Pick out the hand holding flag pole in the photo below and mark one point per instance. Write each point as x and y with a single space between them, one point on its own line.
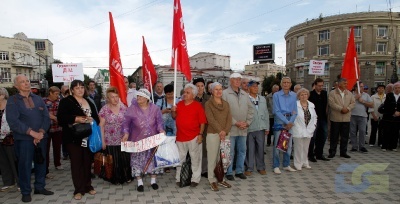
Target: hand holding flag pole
151 87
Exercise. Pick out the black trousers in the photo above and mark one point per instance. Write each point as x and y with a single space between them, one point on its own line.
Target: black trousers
390 135
271 124
376 127
339 129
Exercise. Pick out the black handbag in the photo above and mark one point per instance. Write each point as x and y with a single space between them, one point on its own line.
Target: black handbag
39 159
186 172
81 130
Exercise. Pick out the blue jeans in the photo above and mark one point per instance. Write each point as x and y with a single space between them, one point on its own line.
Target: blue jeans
240 143
25 151
275 152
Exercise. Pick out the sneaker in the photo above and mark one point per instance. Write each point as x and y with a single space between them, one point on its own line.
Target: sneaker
277 171
247 173
363 150
288 168
59 167
214 186
6 188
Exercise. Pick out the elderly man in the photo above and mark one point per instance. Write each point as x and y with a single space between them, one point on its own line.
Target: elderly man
275 88
391 118
341 102
389 88
358 119
242 116
190 121
244 83
256 132
29 119
158 91
296 88
285 112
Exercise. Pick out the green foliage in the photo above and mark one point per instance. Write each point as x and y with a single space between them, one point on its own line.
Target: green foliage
86 79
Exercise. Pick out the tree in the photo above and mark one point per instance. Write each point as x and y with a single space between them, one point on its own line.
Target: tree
267 84
86 79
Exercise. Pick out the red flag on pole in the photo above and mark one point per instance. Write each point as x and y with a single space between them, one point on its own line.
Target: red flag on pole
350 69
148 70
115 66
179 44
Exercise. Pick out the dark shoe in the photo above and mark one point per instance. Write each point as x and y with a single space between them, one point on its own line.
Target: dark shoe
345 156
26 198
154 186
43 192
241 176
291 157
312 159
178 184
140 188
230 177
193 184
353 150
323 158
363 150
331 156
205 174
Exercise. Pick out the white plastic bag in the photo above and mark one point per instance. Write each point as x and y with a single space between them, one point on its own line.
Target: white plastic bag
225 147
167 154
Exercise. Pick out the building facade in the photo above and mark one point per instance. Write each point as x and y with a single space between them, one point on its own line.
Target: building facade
325 38
22 55
206 60
264 70
102 78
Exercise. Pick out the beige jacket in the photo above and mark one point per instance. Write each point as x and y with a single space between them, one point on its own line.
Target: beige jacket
336 103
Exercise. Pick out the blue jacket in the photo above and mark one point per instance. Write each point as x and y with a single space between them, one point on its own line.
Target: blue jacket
25 114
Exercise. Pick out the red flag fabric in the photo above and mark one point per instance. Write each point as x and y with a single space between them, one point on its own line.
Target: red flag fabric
179 43
148 67
350 64
115 65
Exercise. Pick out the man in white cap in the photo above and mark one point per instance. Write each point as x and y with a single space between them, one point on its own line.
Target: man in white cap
242 116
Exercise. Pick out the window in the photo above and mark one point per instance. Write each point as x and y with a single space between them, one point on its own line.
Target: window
357 31
18 71
323 50
300 54
300 40
324 35
301 73
382 31
40 45
3 55
326 69
380 68
358 48
377 83
5 75
381 47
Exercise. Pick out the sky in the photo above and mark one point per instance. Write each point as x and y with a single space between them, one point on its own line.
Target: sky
79 29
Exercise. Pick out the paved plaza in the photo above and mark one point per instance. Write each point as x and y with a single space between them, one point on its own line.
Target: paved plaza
337 181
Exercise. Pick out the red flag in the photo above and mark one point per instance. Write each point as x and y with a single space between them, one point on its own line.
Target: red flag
350 69
179 43
115 66
148 67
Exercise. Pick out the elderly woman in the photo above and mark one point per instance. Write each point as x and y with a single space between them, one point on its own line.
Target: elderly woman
75 109
190 122
303 129
220 121
142 120
111 118
7 156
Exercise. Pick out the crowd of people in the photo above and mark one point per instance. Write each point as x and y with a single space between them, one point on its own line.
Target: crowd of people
205 115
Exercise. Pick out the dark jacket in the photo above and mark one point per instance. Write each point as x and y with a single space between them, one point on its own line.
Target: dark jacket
24 114
391 106
67 111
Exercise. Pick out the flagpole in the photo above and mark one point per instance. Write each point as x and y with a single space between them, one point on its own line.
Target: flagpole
151 85
358 81
175 70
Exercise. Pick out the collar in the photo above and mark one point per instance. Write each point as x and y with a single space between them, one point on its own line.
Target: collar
21 96
283 93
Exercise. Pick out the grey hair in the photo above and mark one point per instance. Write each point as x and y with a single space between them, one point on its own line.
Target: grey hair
15 79
396 84
4 92
193 87
275 85
286 77
302 90
341 80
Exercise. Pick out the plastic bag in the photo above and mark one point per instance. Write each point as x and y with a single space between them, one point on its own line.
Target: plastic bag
225 147
283 141
186 172
95 143
167 154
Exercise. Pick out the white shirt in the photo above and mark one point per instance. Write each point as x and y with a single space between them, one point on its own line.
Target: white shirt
396 96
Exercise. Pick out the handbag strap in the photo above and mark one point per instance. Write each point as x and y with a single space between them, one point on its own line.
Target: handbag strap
78 105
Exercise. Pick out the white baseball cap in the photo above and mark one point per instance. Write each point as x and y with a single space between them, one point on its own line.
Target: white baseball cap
235 75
